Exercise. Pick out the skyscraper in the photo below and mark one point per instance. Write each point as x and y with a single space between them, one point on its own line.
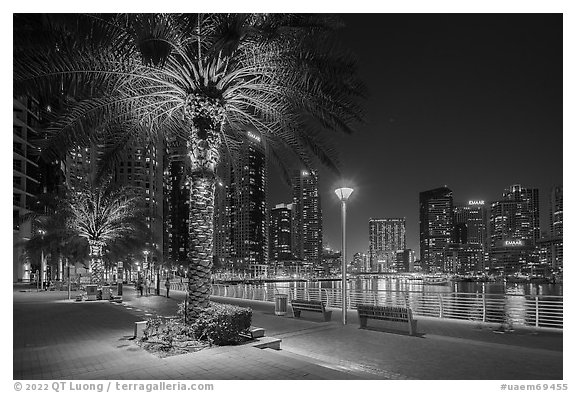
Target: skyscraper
436 226
514 229
551 248
141 170
307 243
248 207
387 237
26 181
473 218
176 206
556 212
280 234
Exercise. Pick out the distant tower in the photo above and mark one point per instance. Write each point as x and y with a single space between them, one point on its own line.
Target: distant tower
141 170
248 207
176 206
516 216
307 218
280 234
387 237
556 212
514 229
436 226
473 218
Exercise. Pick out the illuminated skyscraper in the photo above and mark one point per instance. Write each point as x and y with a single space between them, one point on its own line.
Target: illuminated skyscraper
176 206
281 232
473 218
514 229
248 207
556 212
307 244
387 237
436 226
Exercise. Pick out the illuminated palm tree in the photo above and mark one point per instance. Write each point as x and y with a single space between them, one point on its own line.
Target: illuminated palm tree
102 214
198 81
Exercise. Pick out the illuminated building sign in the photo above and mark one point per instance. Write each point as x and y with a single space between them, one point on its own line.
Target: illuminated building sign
305 173
513 243
476 203
254 136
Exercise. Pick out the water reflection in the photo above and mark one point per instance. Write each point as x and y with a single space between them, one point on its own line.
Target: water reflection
412 285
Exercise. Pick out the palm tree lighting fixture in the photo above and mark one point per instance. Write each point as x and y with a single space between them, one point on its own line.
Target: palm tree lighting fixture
343 194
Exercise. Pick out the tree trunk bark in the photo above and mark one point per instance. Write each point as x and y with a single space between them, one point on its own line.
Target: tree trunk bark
96 262
200 247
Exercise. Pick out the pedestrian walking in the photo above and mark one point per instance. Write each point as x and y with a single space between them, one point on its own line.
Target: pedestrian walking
147 286
140 285
167 284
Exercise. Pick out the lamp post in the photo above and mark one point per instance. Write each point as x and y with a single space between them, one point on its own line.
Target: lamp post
42 260
343 194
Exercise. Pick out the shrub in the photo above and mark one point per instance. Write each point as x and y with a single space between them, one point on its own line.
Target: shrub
222 324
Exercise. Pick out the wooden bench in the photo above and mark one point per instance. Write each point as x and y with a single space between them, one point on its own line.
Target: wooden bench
387 313
299 305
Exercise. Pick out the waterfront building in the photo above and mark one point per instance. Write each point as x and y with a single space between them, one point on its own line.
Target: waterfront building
280 232
514 230
405 260
556 212
436 227
550 248
331 262
307 210
465 258
360 263
387 237
470 223
247 196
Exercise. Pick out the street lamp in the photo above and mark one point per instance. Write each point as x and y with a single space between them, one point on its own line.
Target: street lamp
343 194
42 260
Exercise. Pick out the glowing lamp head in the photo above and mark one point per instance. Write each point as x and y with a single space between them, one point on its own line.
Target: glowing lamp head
344 193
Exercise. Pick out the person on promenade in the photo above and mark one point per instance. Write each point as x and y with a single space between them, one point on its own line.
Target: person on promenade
167 284
140 285
147 286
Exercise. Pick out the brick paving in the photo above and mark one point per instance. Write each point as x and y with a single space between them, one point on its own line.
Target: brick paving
59 339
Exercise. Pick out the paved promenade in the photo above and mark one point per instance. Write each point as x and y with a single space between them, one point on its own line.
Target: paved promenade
55 338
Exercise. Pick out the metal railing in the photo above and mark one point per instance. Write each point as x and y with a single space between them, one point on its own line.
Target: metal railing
514 309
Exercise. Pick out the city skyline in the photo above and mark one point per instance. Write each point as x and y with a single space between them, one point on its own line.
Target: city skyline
472 102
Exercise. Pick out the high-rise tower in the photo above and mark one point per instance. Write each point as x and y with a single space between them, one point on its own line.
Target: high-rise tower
307 243
514 229
436 226
280 235
248 207
387 237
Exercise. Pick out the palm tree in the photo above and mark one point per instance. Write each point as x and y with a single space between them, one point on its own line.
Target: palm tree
199 81
103 214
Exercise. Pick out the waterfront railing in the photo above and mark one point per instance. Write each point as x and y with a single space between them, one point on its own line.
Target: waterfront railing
539 311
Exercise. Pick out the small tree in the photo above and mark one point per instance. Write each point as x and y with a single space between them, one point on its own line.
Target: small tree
101 213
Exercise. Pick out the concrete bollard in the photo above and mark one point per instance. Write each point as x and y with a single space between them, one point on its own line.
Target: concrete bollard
139 328
257 332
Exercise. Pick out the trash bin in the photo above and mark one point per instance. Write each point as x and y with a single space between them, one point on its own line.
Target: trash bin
91 292
281 304
105 292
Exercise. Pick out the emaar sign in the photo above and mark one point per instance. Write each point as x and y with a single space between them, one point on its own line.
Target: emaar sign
476 203
513 243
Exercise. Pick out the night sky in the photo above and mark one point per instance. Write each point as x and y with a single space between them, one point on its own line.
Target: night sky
470 101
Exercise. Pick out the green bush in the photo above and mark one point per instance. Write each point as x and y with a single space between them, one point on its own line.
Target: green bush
221 324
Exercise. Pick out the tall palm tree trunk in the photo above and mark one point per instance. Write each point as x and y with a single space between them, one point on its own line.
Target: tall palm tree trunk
96 262
206 116
201 232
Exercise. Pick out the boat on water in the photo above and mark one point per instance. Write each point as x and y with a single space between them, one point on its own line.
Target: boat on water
435 281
